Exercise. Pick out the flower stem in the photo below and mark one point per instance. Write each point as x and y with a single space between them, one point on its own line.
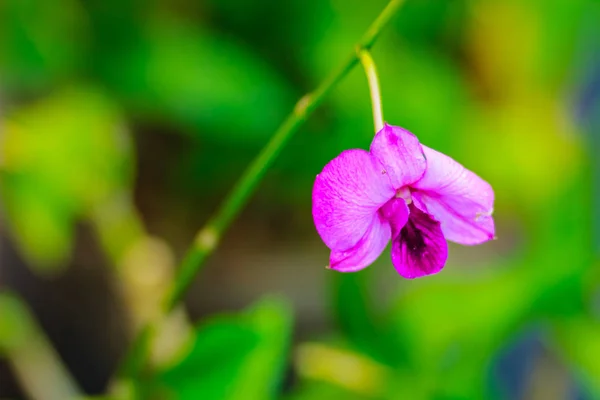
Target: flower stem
208 237
35 363
371 72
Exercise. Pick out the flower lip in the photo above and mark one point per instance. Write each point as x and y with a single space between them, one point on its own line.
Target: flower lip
421 248
413 238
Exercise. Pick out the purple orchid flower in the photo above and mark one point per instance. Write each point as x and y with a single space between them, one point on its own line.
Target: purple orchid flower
402 191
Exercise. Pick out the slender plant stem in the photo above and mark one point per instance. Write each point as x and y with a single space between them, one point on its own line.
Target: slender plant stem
208 237
373 79
30 355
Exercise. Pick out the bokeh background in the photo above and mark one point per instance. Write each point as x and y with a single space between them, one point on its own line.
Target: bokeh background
124 123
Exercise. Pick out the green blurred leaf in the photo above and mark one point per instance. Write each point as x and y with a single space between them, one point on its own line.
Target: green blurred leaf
316 390
339 369
233 358
15 323
200 80
40 41
62 157
451 328
578 342
436 23
357 316
561 27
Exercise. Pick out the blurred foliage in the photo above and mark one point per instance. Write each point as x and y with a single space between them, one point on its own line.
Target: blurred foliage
30 352
15 326
217 99
62 157
233 357
509 88
41 43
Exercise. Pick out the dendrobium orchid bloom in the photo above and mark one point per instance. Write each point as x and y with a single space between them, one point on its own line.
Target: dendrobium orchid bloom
401 191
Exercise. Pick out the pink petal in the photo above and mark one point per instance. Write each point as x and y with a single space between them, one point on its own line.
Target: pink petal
346 197
400 152
396 212
459 199
421 248
368 248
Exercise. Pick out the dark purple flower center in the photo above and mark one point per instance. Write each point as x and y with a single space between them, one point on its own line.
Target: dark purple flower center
421 242
418 236
412 237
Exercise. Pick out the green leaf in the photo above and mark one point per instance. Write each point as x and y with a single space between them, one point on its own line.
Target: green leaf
233 357
316 390
357 316
578 344
62 157
451 328
40 41
434 23
15 324
201 81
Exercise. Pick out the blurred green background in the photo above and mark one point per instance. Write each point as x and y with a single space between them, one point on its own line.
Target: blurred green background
124 123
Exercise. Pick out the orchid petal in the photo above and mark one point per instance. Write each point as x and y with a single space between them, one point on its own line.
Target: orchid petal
366 251
421 248
400 152
346 196
396 212
459 199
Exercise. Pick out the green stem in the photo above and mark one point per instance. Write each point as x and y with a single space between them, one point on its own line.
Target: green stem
209 236
371 72
35 363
